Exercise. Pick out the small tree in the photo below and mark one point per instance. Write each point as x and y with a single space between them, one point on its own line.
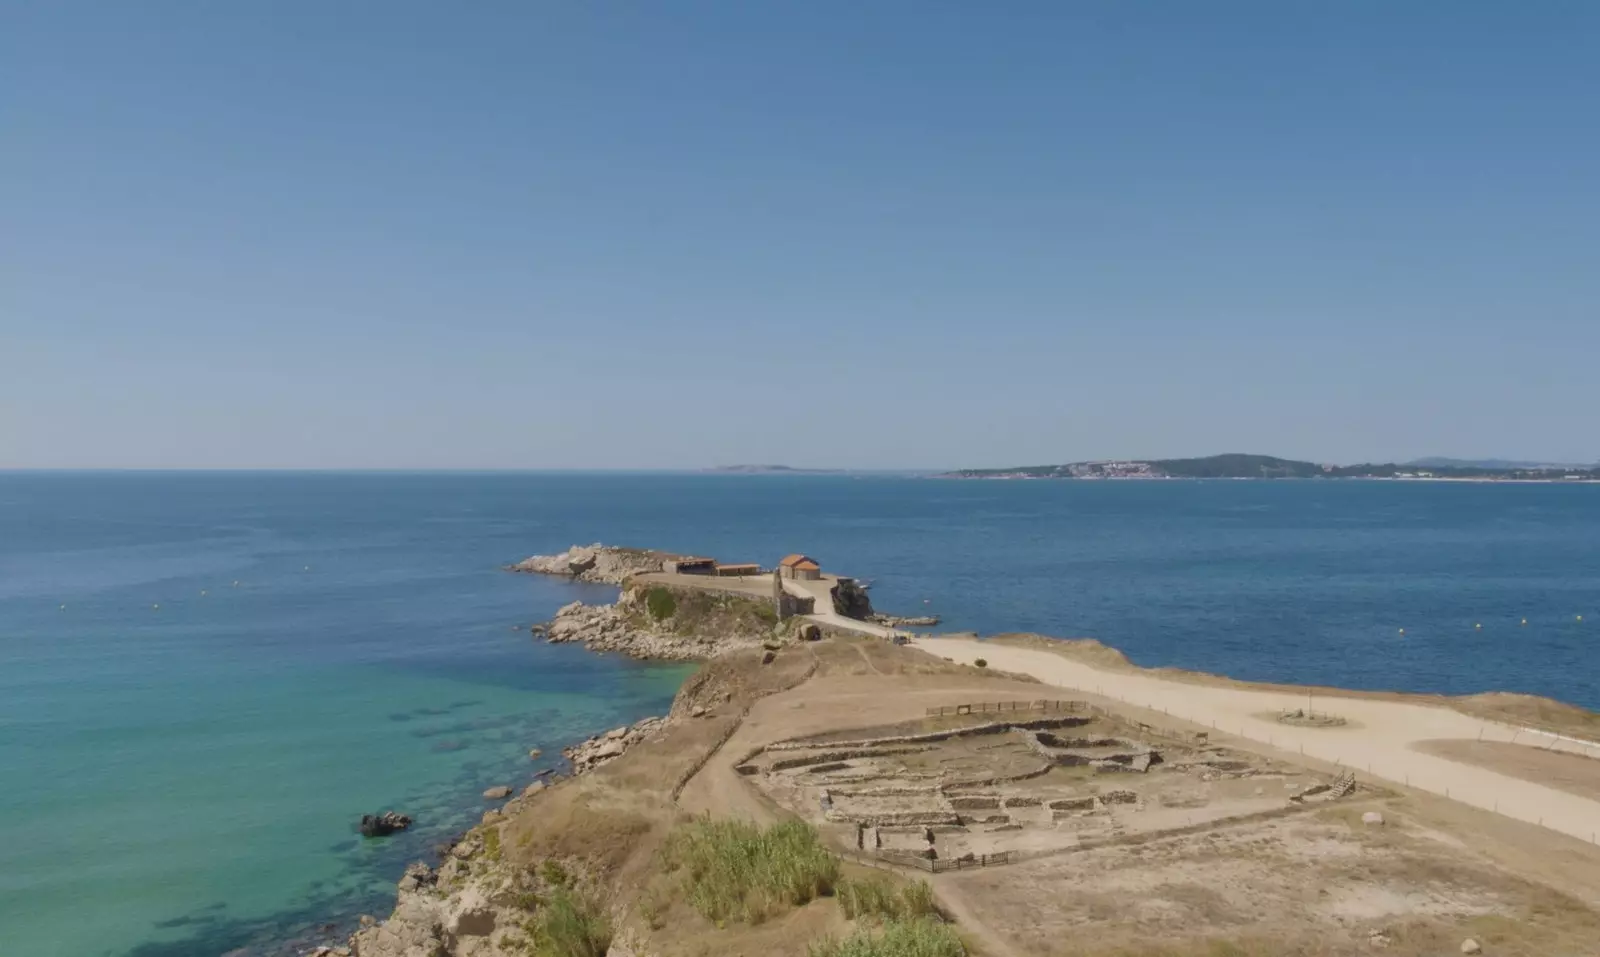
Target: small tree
981 663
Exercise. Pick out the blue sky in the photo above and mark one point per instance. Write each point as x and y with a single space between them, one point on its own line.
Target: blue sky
362 234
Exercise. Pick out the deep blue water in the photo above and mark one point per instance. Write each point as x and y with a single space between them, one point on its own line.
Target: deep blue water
182 780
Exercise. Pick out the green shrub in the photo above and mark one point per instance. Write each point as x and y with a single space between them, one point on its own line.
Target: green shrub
735 870
661 603
923 937
554 874
981 663
570 925
491 843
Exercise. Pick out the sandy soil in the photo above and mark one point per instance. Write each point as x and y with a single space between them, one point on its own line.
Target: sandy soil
1569 772
1315 883
1379 743
1321 884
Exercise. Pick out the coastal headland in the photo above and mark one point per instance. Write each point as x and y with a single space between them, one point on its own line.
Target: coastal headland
820 789
1242 466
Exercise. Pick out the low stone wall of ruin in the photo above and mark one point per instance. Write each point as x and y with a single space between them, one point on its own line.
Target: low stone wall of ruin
850 754
893 819
932 737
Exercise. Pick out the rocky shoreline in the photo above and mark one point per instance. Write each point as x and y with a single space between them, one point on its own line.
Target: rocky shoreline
627 629
598 564
470 904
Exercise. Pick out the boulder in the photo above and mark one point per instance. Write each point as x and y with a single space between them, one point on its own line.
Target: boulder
534 788
497 793
469 914
1372 817
535 753
418 875
1470 946
698 711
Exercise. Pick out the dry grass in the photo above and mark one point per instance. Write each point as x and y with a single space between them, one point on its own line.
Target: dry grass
737 871
923 937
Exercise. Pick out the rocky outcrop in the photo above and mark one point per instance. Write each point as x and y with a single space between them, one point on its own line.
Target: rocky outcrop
903 621
629 628
850 600
382 825
604 748
602 564
606 628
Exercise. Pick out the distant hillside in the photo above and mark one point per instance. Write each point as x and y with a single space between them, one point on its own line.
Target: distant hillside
1240 466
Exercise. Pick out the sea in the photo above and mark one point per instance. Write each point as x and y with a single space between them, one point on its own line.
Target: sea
206 678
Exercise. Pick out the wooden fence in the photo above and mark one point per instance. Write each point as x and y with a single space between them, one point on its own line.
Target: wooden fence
1007 707
937 866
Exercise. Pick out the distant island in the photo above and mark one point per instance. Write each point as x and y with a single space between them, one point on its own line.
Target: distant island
769 470
1239 466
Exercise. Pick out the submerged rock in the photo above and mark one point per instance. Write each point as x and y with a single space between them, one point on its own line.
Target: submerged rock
498 793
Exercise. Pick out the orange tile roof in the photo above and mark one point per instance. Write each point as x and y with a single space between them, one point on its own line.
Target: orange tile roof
794 560
807 565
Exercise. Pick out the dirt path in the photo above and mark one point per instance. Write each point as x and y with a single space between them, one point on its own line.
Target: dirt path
1379 743
953 901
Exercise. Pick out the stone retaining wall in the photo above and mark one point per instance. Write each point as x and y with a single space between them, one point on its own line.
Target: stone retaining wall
932 737
975 803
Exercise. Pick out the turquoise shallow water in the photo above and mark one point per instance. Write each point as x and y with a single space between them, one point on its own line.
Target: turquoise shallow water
183 780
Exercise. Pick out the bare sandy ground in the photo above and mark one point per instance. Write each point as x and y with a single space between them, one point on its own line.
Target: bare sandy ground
1558 769
1381 742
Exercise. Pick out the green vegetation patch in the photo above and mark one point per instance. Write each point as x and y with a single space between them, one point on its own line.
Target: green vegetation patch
570 925
734 870
923 937
661 602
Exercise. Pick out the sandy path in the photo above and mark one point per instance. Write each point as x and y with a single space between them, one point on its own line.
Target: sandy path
822 599
1380 746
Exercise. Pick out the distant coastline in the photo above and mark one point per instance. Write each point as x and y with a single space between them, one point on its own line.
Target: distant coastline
1241 466
768 470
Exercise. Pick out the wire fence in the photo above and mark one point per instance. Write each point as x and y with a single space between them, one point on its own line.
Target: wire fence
1008 707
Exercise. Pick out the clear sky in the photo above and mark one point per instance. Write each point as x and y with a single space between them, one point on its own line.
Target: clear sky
880 234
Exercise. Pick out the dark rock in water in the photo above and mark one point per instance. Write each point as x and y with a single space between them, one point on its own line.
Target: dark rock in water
850 599
382 825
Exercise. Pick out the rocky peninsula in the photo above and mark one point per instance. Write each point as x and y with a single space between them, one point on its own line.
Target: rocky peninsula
664 614
1009 796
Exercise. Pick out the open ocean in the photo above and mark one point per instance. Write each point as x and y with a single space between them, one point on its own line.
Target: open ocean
183 780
